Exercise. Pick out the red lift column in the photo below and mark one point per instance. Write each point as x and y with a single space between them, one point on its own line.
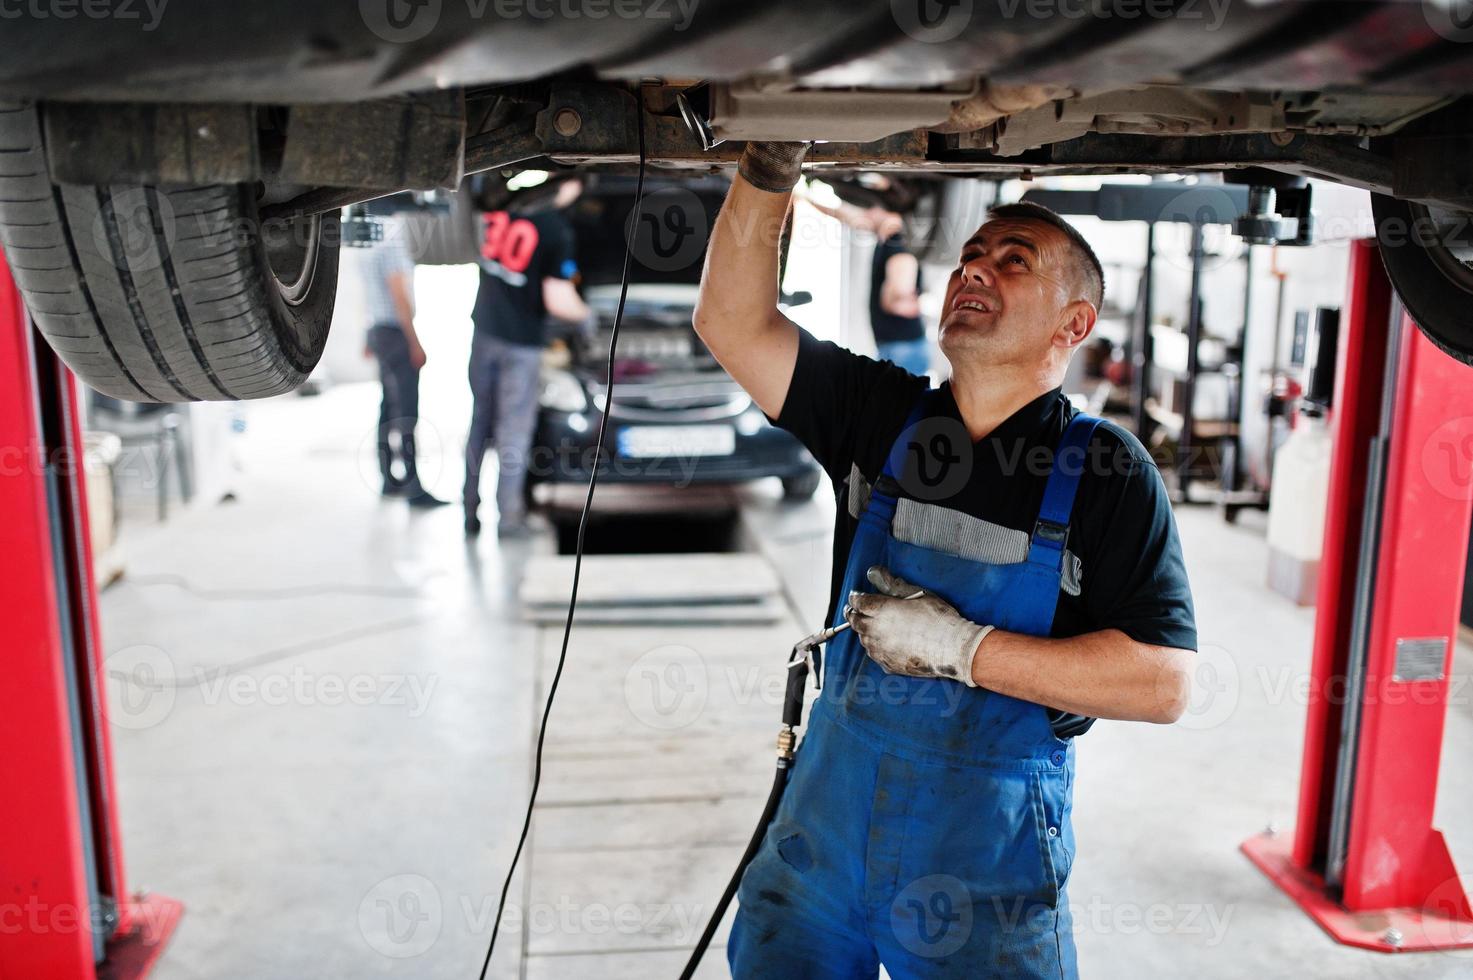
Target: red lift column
64 910
1365 861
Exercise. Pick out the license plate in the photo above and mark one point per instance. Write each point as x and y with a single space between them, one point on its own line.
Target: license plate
648 441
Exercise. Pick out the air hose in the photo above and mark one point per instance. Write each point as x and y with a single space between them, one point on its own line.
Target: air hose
804 656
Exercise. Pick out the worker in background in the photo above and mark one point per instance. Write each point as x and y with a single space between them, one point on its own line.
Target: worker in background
926 824
527 268
387 277
894 285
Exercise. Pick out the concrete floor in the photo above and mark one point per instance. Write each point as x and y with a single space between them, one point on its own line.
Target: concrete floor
330 766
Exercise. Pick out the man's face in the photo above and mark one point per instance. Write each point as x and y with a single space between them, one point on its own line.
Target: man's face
1011 292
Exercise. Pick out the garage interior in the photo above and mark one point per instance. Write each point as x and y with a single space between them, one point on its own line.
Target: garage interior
322 707
266 720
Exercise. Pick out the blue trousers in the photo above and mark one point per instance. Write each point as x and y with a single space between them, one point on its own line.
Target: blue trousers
913 355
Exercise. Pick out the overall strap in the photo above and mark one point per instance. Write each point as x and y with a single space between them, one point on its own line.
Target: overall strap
1051 532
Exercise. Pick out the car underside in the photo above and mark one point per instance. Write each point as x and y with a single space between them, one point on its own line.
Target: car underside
248 127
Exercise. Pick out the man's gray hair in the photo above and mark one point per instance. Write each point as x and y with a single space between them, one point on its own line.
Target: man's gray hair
1092 274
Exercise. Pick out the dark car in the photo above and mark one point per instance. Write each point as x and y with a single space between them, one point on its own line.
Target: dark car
676 417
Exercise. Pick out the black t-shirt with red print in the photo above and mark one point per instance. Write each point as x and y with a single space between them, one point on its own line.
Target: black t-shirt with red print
519 251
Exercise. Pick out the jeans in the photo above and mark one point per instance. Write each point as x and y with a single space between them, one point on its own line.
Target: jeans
913 355
398 411
504 385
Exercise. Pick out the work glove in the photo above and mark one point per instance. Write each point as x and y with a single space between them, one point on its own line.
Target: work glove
773 167
920 637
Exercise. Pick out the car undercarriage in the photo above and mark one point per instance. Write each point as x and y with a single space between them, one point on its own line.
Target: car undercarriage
301 113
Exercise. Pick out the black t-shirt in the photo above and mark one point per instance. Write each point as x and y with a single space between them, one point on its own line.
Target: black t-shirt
888 327
518 251
848 410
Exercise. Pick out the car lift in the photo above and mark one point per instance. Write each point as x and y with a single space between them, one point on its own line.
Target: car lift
1364 859
64 911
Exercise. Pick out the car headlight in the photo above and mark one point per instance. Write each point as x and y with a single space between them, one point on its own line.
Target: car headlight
562 392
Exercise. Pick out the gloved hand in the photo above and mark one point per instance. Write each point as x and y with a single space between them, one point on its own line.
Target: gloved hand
773 167
921 637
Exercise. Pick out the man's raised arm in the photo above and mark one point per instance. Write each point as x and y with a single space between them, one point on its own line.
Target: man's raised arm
736 314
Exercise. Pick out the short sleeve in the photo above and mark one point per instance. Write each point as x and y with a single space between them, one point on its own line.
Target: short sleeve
840 403
561 260
1134 578
390 253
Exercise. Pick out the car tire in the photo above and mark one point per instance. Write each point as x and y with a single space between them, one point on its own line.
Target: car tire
157 294
1435 284
802 486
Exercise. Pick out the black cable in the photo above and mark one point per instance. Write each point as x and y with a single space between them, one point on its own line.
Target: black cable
578 551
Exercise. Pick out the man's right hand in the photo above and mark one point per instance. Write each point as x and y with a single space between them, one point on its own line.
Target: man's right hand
772 167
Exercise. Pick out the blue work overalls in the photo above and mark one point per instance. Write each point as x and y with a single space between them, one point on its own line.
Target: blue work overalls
926 825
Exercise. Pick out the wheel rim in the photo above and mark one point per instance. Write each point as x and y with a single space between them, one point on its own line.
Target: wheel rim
1452 252
294 263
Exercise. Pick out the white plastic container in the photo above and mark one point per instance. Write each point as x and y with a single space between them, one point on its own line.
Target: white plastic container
1296 512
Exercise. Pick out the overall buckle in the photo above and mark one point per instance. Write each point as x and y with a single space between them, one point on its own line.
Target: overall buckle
1052 532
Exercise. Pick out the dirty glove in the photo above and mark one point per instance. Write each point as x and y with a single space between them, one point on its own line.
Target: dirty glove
773 167
921 637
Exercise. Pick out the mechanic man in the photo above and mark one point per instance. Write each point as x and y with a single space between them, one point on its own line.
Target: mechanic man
927 822
527 269
894 285
386 274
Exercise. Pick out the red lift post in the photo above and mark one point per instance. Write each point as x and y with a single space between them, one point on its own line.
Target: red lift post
65 913
1364 860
